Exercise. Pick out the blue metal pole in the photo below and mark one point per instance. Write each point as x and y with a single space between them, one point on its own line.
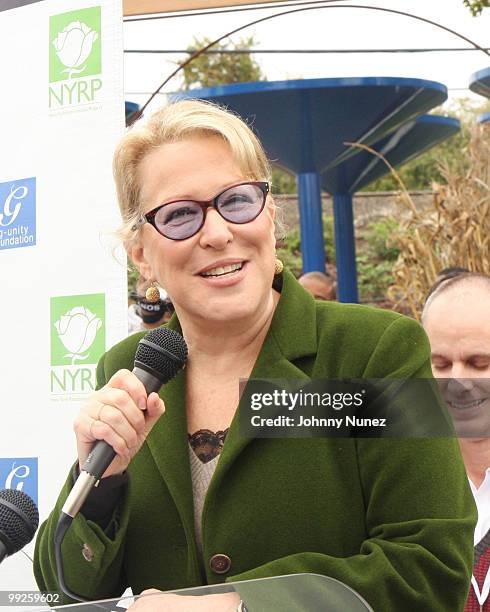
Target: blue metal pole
311 223
345 248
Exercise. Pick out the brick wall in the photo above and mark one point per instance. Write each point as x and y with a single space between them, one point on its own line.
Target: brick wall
367 206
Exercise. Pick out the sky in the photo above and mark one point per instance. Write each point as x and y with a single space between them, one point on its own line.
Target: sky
332 28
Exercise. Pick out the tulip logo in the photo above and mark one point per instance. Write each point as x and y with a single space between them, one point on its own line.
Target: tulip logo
77 329
74 44
73 47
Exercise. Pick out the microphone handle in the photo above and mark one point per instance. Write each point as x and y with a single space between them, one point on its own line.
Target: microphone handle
102 454
3 551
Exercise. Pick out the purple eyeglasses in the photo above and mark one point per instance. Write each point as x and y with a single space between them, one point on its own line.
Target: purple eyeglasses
182 219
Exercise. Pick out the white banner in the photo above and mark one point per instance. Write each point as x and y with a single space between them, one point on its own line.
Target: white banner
63 291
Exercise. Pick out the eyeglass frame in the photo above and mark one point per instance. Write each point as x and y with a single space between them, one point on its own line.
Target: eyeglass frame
149 217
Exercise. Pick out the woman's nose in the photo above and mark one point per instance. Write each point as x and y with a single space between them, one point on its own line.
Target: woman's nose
216 231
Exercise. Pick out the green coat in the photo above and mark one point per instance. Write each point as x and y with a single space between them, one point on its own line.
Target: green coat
391 518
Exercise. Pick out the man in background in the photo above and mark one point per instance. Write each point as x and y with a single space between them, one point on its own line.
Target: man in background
319 284
456 318
145 315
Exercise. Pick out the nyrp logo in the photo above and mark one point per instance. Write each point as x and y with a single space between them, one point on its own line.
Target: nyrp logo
20 473
77 342
18 213
75 61
77 329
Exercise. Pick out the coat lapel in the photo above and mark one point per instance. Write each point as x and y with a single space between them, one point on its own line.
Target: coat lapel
168 444
291 337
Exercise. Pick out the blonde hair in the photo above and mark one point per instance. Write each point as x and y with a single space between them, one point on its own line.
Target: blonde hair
173 123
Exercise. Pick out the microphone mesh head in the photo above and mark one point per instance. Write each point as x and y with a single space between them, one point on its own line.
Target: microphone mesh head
170 359
17 525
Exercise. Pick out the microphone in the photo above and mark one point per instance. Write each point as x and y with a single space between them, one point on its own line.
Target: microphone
159 356
19 519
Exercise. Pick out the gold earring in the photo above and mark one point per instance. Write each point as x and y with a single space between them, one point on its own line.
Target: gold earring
278 267
152 293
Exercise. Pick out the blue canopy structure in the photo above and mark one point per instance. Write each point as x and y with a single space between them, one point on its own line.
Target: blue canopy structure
304 124
410 140
401 146
480 82
130 108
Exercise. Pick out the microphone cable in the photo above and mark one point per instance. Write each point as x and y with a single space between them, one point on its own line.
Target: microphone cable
325 4
160 355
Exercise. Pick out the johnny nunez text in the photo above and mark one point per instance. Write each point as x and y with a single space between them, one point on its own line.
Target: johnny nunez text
303 421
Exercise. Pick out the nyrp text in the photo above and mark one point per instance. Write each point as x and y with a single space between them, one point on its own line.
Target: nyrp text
74 93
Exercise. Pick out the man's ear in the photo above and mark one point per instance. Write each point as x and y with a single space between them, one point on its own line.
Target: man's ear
136 252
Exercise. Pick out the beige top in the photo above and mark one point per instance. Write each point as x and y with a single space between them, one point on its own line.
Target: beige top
201 474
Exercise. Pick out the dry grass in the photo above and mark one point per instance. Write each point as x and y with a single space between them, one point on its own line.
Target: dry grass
455 231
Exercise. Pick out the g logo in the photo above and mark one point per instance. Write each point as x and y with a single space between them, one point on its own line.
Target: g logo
16 195
21 472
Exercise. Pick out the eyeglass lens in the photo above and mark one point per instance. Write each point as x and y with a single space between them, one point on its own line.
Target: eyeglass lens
239 204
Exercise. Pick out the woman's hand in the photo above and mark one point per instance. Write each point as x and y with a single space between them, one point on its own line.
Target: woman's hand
121 414
152 602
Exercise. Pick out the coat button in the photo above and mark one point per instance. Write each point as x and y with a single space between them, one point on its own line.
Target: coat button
220 564
87 552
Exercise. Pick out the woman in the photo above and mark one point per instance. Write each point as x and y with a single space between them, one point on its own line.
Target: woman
390 518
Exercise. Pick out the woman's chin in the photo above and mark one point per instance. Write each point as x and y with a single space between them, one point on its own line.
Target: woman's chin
228 311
